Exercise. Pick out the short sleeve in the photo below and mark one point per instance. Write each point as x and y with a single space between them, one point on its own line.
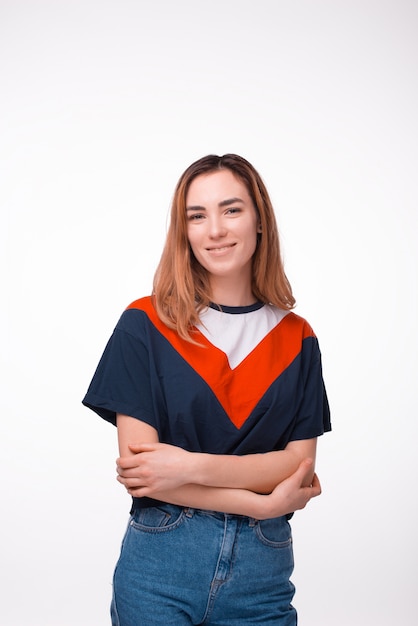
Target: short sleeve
121 383
313 416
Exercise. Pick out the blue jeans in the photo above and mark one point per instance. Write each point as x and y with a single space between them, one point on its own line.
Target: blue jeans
185 567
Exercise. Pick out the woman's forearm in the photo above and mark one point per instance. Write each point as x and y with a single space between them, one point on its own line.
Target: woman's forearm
290 495
225 500
256 472
163 466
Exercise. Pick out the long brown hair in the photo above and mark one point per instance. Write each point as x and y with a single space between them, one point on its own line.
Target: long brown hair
181 285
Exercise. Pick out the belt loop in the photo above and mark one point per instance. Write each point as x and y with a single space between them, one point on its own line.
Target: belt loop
188 511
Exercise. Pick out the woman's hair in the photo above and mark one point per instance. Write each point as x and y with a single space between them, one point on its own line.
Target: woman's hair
181 285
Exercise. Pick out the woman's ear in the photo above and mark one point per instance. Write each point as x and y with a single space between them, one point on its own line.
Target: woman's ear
259 228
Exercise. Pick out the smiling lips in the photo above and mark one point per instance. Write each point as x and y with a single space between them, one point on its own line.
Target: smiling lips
221 248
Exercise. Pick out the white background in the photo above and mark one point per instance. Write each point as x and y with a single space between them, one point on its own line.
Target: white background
103 105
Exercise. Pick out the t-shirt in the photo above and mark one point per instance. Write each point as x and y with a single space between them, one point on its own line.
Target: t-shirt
251 383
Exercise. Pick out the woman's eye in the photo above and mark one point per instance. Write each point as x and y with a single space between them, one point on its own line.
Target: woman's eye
234 210
195 216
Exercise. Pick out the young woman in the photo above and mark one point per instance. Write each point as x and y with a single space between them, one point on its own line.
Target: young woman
216 389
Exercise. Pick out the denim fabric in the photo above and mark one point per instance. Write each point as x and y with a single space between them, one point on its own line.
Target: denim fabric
185 567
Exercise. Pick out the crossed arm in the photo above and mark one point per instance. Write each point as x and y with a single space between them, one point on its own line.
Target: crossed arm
258 485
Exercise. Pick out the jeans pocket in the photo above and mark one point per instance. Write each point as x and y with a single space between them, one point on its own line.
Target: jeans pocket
157 519
275 532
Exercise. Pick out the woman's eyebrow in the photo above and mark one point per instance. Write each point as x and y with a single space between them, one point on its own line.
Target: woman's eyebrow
230 201
195 208
227 202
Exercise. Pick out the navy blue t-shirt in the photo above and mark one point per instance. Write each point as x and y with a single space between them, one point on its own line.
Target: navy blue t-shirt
252 384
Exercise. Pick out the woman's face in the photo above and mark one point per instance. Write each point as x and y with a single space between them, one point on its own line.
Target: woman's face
222 225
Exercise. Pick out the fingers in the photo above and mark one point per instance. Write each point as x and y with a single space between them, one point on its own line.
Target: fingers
303 474
142 447
312 491
316 487
133 485
128 462
305 466
129 473
129 483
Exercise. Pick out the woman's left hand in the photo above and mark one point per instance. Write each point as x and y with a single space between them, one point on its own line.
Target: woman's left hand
292 494
154 467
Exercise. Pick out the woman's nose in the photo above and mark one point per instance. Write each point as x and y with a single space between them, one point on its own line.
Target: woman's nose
216 228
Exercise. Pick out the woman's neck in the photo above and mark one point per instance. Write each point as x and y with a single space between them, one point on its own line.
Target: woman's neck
232 293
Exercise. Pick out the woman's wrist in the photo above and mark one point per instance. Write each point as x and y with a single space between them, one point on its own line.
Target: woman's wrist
214 470
266 508
201 468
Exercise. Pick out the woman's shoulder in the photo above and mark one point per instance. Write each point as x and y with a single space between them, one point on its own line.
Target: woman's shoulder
141 304
293 320
135 315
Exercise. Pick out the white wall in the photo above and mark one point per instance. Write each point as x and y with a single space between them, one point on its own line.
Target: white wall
103 105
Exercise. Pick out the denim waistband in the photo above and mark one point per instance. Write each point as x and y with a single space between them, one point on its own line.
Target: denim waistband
144 503
191 511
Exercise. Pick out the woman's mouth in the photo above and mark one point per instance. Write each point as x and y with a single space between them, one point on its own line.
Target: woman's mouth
220 249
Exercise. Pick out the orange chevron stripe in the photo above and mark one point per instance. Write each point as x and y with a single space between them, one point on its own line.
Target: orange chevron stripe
238 390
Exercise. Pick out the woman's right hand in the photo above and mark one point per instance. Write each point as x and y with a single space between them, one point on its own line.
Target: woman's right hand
153 467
